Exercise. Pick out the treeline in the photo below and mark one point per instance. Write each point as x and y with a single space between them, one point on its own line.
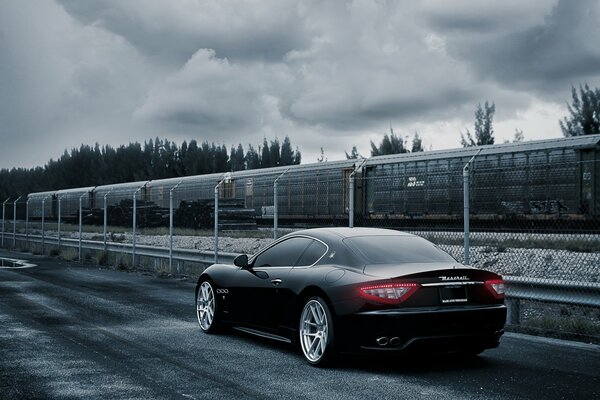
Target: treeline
154 159
390 144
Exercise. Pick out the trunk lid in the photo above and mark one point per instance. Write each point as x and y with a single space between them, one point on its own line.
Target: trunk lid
440 284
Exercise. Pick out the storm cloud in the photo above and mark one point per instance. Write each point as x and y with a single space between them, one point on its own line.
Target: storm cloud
330 74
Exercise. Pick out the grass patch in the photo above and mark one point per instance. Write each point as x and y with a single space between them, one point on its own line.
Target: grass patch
123 262
36 249
102 258
560 321
68 254
569 327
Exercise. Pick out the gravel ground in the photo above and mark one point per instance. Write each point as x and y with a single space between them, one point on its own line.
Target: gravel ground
538 263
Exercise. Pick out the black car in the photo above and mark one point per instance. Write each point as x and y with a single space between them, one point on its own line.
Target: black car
355 290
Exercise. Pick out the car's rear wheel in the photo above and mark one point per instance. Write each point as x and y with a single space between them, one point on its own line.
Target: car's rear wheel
207 307
316 332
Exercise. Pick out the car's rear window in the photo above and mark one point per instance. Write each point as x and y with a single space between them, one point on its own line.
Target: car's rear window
397 249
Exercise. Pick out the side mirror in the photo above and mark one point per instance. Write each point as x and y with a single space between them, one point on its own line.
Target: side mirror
241 261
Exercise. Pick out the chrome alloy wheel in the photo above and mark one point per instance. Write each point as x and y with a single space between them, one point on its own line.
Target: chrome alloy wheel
205 306
314 331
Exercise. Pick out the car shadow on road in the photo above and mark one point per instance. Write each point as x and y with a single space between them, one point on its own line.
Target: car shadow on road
402 363
413 363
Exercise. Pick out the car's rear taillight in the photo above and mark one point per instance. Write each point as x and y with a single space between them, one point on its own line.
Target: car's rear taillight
497 287
389 293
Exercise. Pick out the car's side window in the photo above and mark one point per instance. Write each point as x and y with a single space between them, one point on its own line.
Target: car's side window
285 253
312 254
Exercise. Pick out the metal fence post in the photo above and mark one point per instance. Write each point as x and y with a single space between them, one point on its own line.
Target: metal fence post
58 227
43 215
275 211
225 177
133 226
3 216
351 201
80 222
217 223
15 222
513 316
466 215
466 212
171 227
105 217
27 224
134 223
276 205
351 193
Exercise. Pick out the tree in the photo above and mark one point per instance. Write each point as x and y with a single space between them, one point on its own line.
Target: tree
354 154
275 153
484 131
220 158
252 158
417 144
237 161
154 159
519 136
391 144
584 118
208 157
287 154
192 160
265 154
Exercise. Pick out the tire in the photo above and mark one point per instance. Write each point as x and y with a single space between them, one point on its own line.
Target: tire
207 307
316 333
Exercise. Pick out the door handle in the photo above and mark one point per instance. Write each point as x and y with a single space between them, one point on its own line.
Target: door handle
276 281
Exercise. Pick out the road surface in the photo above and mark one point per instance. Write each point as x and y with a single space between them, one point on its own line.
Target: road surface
69 331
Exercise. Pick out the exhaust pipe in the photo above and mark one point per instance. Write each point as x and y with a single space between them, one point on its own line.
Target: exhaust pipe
395 341
382 341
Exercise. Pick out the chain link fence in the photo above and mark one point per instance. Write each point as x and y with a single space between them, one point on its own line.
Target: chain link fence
533 217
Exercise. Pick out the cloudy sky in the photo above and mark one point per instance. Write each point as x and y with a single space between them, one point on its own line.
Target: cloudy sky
327 74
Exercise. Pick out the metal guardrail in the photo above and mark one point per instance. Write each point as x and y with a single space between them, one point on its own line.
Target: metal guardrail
206 257
519 288
564 292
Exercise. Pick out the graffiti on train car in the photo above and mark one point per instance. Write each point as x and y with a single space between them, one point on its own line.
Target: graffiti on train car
413 181
267 211
548 207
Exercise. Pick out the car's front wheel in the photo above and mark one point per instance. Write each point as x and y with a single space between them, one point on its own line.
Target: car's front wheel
207 307
316 332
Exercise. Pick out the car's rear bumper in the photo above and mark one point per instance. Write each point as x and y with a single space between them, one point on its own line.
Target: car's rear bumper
425 329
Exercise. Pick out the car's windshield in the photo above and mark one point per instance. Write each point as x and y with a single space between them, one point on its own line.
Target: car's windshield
393 249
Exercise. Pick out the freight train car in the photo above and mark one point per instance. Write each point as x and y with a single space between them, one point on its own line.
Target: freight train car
307 194
545 180
69 203
540 181
41 204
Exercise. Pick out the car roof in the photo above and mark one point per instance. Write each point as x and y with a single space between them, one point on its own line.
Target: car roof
343 233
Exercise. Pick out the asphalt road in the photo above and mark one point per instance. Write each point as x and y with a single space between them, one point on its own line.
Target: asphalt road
69 331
